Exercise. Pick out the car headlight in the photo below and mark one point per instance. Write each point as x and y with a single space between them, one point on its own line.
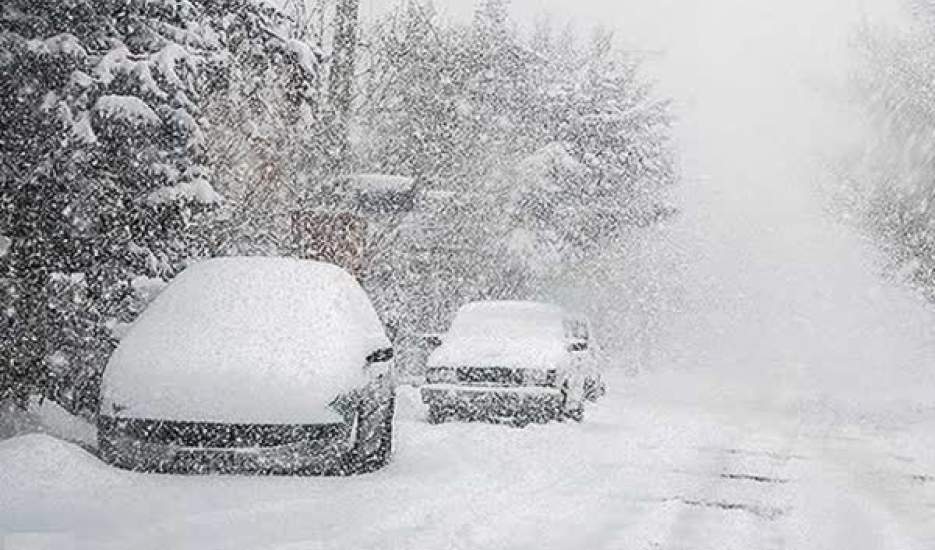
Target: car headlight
539 377
441 375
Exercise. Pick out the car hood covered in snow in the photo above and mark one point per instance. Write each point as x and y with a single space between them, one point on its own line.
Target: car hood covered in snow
504 334
529 353
245 340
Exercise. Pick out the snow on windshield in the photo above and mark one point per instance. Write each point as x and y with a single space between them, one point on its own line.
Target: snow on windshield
508 320
504 334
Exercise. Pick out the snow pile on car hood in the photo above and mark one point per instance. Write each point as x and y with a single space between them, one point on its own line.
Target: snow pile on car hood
246 340
504 334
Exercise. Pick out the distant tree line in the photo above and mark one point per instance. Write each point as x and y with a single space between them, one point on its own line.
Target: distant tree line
891 180
137 136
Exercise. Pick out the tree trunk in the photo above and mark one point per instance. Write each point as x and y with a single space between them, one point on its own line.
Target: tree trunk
341 84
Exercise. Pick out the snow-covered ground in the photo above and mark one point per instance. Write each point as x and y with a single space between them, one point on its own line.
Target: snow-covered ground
651 468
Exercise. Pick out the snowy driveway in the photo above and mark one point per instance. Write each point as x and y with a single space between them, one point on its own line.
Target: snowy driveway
649 469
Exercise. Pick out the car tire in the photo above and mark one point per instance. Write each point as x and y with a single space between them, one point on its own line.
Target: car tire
595 389
576 414
359 460
572 410
106 450
108 453
436 414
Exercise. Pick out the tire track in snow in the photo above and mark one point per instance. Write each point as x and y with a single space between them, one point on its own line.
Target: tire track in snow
739 506
871 489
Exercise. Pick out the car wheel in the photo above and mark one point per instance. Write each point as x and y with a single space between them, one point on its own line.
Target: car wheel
108 452
576 414
436 414
573 410
386 434
105 449
364 459
594 389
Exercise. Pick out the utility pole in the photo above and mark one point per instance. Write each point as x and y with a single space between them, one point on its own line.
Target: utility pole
341 83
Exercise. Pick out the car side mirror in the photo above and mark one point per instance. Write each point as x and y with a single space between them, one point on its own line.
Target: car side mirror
380 356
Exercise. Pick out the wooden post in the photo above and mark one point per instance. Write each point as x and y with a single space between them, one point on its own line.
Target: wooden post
341 80
338 238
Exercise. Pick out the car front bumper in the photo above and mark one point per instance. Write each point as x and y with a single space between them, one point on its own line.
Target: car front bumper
312 456
491 403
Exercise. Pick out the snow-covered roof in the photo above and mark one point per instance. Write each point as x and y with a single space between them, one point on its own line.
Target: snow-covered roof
513 334
250 340
514 318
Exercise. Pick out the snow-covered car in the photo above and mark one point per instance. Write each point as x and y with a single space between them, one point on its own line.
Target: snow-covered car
252 365
517 361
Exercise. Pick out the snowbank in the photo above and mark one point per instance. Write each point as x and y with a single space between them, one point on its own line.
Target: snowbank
36 463
651 468
45 417
504 334
253 340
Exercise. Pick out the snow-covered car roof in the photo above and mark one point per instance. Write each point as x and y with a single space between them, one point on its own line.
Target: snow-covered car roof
247 340
513 334
513 318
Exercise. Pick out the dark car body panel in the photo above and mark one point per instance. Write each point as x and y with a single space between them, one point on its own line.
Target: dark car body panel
516 404
189 447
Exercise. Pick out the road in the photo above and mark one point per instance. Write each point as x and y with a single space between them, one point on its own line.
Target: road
657 465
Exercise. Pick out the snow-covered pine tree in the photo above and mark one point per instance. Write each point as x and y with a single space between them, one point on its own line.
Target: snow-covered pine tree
889 184
106 152
529 156
105 163
491 20
266 132
609 144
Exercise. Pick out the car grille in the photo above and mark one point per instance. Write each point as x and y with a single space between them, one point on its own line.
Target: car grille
501 377
220 435
490 376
